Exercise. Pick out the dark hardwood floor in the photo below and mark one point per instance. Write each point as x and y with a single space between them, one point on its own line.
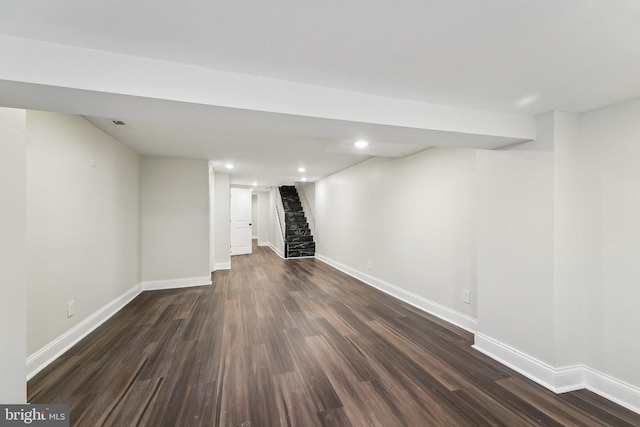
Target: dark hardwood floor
295 343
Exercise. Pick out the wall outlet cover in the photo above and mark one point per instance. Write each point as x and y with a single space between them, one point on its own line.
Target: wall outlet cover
466 296
70 308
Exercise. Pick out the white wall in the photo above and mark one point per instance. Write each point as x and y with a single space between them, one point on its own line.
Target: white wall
82 219
212 219
307 194
409 222
275 231
573 250
264 218
13 256
174 209
515 250
609 248
255 216
222 221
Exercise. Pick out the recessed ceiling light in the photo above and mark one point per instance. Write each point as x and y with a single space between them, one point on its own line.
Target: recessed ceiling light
303 179
229 166
255 184
361 144
302 169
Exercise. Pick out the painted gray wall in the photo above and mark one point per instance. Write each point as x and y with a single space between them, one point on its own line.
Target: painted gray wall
174 219
82 218
515 250
212 219
607 239
571 274
275 233
264 218
409 222
255 216
222 219
13 256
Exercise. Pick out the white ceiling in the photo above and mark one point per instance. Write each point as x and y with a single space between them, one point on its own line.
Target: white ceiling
506 56
265 158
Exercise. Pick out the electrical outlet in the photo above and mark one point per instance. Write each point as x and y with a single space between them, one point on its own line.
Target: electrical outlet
368 265
70 309
466 296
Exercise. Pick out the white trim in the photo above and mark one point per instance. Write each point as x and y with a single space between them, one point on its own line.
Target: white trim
459 319
563 379
557 380
222 266
175 283
56 348
617 391
47 354
276 250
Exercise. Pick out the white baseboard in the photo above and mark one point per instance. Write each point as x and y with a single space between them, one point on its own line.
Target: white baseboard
56 348
564 379
175 283
557 380
459 319
47 354
263 243
222 266
613 389
276 250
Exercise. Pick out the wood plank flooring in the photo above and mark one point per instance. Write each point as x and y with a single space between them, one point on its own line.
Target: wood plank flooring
295 343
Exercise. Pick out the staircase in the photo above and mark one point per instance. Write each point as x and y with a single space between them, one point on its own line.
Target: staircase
298 241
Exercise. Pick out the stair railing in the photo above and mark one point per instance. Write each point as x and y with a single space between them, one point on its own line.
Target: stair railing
306 207
281 218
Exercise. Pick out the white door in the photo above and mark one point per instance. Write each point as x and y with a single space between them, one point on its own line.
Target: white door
240 221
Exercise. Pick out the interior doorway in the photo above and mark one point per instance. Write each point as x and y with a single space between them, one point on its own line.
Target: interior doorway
241 221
